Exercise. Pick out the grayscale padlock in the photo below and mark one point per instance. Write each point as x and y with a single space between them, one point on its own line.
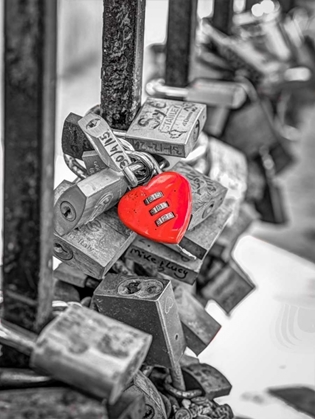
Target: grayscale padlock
170 262
228 286
198 326
84 349
150 304
207 194
75 277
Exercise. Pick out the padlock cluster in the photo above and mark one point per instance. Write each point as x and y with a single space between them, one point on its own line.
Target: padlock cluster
146 232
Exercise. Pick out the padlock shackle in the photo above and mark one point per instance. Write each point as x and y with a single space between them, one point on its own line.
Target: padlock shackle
16 337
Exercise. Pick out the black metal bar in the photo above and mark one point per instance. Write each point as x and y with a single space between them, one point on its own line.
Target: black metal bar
223 15
122 61
182 20
29 137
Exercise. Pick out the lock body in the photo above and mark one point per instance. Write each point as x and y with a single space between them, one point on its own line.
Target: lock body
198 326
166 127
149 304
90 352
207 195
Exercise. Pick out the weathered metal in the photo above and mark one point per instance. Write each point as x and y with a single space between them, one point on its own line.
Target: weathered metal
29 136
122 59
182 19
223 15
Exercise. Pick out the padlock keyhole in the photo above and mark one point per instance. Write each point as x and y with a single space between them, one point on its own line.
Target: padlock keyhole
133 287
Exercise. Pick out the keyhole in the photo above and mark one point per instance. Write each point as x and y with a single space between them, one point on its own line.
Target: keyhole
67 210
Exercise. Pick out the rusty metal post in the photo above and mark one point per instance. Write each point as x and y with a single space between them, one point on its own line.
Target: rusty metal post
181 29
223 15
122 61
29 137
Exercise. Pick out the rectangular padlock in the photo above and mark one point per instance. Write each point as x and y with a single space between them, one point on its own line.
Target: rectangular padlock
241 130
149 304
84 349
166 127
229 167
227 240
207 194
229 286
96 246
169 262
74 277
197 242
199 327
88 198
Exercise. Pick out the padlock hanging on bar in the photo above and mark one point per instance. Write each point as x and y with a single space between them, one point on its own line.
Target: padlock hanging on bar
83 349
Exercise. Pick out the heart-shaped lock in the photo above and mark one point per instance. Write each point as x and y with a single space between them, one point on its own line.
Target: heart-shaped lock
160 210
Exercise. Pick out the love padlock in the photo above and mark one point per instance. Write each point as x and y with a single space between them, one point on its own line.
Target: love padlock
160 210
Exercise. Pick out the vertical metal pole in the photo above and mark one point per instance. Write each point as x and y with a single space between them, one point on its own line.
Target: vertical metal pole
287 5
182 20
29 137
122 61
223 15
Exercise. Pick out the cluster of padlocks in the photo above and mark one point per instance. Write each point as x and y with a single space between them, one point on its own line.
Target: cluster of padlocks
145 233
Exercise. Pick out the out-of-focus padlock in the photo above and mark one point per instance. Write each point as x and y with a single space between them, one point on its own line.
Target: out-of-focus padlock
224 245
131 300
229 167
66 292
75 277
94 353
229 286
208 379
198 242
96 246
198 326
271 207
207 194
206 91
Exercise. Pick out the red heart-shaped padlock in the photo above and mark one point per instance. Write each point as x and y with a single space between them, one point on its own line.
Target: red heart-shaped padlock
160 210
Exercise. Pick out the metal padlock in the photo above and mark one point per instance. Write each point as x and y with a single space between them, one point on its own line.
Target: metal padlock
208 379
88 198
84 349
74 277
242 131
130 405
226 94
271 207
216 121
198 326
226 241
168 261
74 141
207 194
66 292
229 167
229 286
166 127
241 54
131 299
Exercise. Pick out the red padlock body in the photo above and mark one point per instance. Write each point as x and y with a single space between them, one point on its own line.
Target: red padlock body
160 210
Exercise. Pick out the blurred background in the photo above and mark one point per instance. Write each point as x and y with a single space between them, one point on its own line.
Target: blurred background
270 339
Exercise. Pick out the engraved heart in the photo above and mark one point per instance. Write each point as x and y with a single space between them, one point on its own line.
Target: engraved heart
160 210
